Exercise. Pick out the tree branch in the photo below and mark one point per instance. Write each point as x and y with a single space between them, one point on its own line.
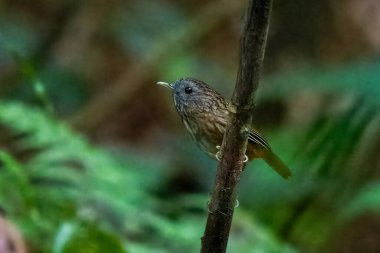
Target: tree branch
234 145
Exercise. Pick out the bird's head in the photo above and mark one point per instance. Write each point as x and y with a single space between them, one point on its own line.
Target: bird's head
191 95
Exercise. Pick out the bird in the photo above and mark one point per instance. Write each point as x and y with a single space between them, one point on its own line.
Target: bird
205 113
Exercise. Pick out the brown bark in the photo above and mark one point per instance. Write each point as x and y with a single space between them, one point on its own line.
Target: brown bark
222 204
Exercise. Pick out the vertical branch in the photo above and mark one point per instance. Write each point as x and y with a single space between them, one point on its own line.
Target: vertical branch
234 145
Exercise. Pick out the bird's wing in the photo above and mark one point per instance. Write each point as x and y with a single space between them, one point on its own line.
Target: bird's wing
267 154
255 137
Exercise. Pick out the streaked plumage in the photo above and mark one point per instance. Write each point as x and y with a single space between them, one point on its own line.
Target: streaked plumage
204 113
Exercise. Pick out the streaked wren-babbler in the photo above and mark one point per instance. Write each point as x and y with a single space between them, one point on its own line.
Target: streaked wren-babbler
204 113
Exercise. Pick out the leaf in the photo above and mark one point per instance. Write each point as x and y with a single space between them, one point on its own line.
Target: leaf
85 238
366 200
13 168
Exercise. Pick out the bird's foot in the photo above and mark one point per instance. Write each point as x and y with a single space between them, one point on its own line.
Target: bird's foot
217 155
237 203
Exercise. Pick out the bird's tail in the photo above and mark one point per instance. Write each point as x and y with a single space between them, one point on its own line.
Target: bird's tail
275 162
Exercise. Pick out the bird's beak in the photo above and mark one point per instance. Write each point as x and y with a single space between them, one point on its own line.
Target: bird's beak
167 85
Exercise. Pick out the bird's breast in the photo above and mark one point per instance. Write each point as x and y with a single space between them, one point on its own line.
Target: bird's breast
206 130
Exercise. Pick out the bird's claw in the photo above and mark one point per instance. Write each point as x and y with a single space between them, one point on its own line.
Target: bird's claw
217 155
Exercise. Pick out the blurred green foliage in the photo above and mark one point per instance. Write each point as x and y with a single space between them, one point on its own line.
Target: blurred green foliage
132 182
82 238
58 177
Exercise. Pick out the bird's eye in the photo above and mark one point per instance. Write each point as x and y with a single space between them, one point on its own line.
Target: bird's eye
188 90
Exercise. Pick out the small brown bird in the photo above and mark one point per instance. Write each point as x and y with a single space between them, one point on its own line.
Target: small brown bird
204 112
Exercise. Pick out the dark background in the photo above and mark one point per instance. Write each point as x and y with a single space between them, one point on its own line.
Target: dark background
94 157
